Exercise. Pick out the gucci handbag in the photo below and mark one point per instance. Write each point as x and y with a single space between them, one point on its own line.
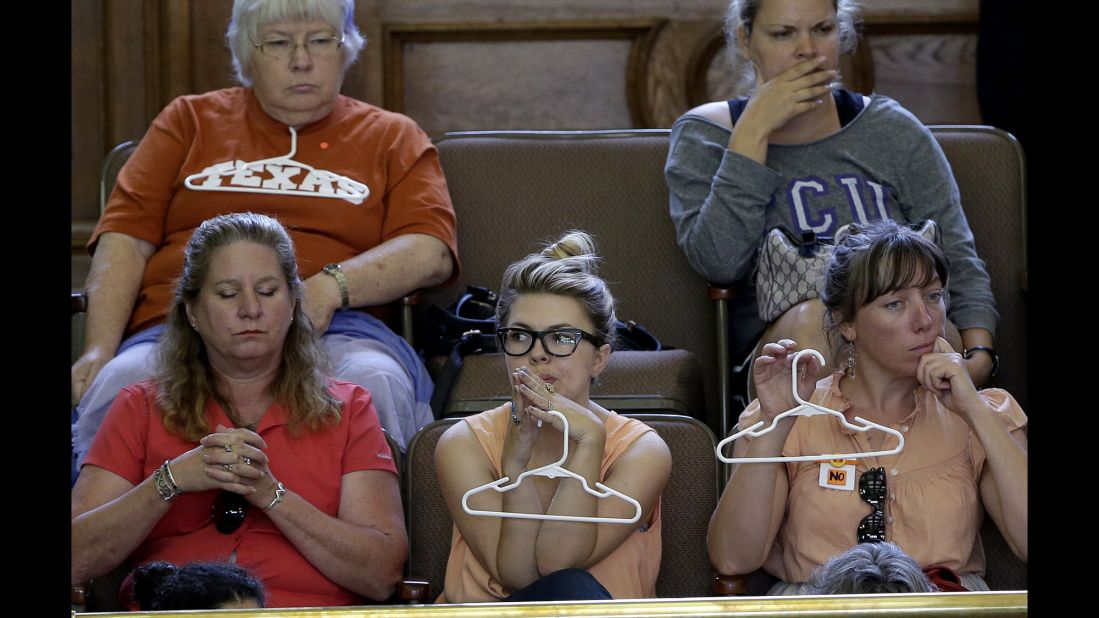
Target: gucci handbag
790 269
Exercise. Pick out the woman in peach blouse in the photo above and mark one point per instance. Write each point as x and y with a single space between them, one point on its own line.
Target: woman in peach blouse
965 451
556 329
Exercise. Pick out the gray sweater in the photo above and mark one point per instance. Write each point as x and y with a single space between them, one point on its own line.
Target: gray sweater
882 164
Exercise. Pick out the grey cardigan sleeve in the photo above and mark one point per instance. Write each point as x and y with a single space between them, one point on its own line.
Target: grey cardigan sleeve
929 191
717 199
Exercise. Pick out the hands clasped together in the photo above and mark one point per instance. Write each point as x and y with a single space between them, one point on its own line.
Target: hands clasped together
532 401
229 459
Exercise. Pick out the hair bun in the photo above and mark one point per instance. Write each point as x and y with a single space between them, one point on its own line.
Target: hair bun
574 244
566 267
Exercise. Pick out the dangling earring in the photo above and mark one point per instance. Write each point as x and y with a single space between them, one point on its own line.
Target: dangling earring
850 368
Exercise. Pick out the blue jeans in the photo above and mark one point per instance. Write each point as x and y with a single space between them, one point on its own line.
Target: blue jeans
564 585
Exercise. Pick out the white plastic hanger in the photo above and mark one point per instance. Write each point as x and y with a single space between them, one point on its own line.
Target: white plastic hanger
554 470
344 188
807 408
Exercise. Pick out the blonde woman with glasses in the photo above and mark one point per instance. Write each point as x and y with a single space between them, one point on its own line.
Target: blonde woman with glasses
556 328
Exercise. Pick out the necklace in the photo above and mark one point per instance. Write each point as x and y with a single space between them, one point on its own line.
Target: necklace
242 425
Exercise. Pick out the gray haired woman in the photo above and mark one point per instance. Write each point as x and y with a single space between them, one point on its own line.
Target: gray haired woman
359 188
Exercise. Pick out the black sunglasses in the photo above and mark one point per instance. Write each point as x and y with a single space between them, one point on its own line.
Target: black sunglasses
229 511
872 490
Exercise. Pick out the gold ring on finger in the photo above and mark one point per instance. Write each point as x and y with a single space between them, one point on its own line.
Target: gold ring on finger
228 448
227 467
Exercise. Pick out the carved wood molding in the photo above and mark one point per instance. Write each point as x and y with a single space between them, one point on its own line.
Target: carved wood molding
858 68
642 33
698 66
918 26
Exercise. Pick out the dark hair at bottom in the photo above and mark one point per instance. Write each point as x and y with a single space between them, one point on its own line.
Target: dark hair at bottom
162 586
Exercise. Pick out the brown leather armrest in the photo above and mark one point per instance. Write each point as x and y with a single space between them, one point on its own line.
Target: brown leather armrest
79 302
414 590
718 292
728 585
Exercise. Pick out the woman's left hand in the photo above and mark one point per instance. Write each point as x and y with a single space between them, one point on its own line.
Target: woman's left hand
583 423
943 372
235 457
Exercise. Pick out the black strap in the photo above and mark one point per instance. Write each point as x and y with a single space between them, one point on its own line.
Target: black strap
469 343
848 105
630 335
736 108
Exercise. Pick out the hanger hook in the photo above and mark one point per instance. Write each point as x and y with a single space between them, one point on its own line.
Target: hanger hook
794 372
293 143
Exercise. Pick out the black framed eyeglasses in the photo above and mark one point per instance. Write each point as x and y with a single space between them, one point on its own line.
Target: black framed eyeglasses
556 342
316 45
229 511
872 490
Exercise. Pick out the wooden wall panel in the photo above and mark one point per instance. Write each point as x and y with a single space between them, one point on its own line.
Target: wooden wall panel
364 79
124 74
567 75
210 65
459 86
88 101
933 75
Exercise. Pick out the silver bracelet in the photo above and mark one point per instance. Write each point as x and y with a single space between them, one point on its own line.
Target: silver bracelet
171 479
164 482
279 490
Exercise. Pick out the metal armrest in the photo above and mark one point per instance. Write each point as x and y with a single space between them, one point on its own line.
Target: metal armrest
79 302
721 295
406 315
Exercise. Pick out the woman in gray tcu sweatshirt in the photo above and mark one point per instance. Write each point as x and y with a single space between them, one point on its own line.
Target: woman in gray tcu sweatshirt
806 155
